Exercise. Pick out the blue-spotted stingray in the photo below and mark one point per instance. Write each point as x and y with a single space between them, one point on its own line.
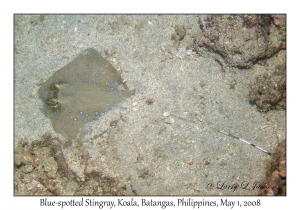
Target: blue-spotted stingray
80 92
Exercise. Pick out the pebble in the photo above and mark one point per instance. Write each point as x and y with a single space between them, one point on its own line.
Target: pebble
206 162
172 120
282 173
27 169
166 114
181 52
134 104
29 186
189 52
167 121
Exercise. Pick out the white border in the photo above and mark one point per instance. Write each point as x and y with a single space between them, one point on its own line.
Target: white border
138 6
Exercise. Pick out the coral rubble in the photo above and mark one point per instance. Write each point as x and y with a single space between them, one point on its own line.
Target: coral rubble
276 183
41 169
241 40
269 90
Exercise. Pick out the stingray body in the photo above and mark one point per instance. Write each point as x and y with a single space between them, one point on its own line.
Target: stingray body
80 92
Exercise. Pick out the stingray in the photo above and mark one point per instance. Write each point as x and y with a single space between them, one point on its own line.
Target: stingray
80 92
